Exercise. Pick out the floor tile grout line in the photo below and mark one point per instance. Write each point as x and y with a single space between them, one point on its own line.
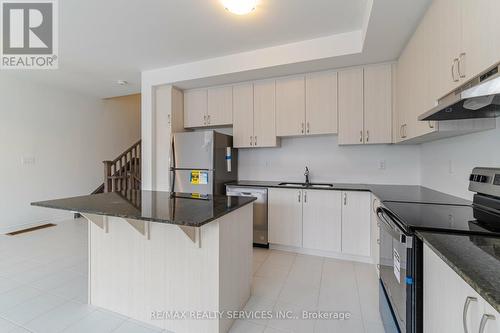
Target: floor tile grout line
359 298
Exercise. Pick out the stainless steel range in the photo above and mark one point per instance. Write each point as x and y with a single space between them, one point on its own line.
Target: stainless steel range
401 256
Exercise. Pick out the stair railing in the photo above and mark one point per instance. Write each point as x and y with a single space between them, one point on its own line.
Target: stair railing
124 173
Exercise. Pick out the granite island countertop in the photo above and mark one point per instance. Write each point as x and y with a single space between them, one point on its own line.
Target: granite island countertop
475 258
162 207
404 193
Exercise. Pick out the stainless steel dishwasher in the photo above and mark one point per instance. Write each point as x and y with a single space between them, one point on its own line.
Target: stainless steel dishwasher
259 211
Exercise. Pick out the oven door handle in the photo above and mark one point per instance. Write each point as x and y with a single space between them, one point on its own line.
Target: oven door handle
393 229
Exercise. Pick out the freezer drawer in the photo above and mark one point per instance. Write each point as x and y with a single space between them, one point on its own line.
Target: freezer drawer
183 181
260 227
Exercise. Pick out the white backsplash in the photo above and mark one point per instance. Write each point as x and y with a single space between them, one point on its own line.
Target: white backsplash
329 162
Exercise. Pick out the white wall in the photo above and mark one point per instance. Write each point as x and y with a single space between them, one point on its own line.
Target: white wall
331 163
446 164
67 135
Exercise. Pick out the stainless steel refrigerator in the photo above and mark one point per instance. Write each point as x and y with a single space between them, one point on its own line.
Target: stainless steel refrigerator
203 162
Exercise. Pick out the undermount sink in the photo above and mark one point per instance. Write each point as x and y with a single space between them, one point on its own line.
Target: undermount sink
292 184
318 185
322 185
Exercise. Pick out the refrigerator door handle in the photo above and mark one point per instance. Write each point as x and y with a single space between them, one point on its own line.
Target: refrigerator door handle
172 164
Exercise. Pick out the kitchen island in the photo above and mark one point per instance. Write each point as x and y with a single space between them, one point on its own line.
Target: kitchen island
177 261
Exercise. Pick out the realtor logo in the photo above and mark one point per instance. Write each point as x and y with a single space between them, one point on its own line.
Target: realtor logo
29 34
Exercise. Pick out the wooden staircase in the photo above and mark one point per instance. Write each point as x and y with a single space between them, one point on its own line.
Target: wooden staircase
124 172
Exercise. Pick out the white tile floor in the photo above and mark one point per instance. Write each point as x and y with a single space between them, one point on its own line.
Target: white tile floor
43 288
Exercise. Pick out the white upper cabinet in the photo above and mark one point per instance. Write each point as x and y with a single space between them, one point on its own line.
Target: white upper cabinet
264 100
321 103
350 90
220 106
322 220
254 115
356 218
290 106
455 41
243 115
208 107
447 55
378 104
480 36
195 108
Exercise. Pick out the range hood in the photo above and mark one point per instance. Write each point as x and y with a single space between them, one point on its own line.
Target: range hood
478 98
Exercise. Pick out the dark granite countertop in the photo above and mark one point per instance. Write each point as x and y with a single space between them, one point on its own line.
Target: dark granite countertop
475 258
162 207
406 193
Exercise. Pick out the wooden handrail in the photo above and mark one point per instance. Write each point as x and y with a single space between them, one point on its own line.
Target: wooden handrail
124 172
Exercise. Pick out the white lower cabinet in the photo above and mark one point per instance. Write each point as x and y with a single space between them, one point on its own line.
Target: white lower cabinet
285 216
324 220
322 225
450 304
356 223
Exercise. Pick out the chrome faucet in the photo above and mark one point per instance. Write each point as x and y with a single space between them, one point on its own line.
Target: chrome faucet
306 173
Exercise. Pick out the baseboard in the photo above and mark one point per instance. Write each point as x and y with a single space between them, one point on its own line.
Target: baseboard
320 253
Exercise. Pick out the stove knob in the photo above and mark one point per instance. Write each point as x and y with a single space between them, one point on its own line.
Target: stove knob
471 177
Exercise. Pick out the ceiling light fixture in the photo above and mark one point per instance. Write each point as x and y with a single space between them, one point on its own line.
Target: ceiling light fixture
239 7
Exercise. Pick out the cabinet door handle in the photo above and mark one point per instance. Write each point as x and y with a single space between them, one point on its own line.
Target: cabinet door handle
401 131
431 124
455 63
250 140
208 117
308 127
298 197
378 241
484 319
461 58
468 300
302 128
367 135
255 140
204 119
360 136
404 131
169 119
305 197
345 199
374 205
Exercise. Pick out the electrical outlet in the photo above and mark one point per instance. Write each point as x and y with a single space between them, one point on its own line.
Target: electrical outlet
381 165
